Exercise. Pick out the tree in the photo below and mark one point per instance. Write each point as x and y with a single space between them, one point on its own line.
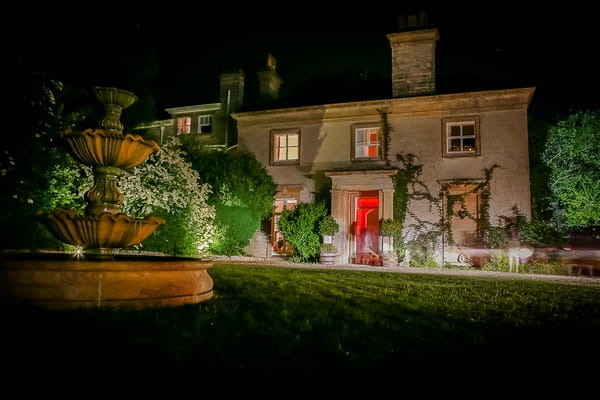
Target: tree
242 195
572 153
31 149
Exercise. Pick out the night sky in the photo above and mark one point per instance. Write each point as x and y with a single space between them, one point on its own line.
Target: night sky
176 56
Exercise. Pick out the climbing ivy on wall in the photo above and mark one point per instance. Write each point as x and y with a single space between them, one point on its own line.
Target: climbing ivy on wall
386 131
408 186
482 188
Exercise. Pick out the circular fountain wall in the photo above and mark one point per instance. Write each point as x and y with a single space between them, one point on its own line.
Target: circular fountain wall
63 281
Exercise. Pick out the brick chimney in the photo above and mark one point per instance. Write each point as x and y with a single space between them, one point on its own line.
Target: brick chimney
231 92
269 81
413 57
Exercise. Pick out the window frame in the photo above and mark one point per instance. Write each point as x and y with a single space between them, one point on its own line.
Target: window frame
189 126
274 134
200 124
461 121
355 128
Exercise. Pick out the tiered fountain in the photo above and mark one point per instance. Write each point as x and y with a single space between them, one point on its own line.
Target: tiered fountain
100 275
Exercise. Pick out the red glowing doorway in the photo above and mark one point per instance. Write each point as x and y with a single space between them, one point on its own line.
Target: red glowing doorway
366 228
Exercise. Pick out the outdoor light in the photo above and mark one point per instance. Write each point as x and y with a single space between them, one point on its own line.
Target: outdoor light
78 253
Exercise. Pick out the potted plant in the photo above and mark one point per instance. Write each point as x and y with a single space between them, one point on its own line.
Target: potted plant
390 229
328 227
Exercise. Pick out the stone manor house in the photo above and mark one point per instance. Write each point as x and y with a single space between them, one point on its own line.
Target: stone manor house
471 146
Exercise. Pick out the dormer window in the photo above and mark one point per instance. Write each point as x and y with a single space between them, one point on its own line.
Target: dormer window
205 124
184 125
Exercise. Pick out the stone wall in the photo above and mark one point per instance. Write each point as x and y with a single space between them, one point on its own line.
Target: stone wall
259 245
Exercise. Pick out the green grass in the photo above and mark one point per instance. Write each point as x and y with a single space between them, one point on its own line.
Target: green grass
308 326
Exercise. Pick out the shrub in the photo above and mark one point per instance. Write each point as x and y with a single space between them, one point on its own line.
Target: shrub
495 237
421 248
167 185
540 233
235 226
496 263
546 267
328 226
420 255
243 193
300 227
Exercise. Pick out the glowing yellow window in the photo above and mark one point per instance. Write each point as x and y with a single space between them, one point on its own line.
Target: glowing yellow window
286 147
184 126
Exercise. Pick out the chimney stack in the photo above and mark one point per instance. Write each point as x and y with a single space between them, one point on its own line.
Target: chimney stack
231 92
413 57
269 81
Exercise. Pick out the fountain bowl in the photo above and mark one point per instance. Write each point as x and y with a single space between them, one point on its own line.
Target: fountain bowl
111 95
99 147
106 230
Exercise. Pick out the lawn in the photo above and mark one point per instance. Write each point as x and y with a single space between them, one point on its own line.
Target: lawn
303 328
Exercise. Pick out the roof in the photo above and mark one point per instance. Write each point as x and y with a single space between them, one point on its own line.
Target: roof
440 104
192 109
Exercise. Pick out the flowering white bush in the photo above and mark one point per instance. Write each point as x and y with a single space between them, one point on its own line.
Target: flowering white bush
165 181
165 185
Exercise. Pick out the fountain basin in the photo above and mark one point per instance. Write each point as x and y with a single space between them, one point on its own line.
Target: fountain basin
106 230
62 281
115 96
99 147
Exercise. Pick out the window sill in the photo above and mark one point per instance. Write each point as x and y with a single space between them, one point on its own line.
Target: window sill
280 163
459 155
367 159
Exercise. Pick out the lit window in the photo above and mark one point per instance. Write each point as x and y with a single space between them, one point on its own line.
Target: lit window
287 203
461 138
286 147
184 126
205 124
366 143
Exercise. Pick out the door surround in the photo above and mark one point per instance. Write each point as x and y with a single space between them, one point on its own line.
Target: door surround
344 187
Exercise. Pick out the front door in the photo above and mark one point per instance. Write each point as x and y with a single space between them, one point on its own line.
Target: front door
366 228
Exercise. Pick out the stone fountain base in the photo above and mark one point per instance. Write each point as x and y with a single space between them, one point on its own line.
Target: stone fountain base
61 281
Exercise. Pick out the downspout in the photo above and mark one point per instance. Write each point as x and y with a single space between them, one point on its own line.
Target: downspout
227 118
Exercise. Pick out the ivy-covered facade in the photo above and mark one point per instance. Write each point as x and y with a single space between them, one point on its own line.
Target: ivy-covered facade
451 197
445 167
